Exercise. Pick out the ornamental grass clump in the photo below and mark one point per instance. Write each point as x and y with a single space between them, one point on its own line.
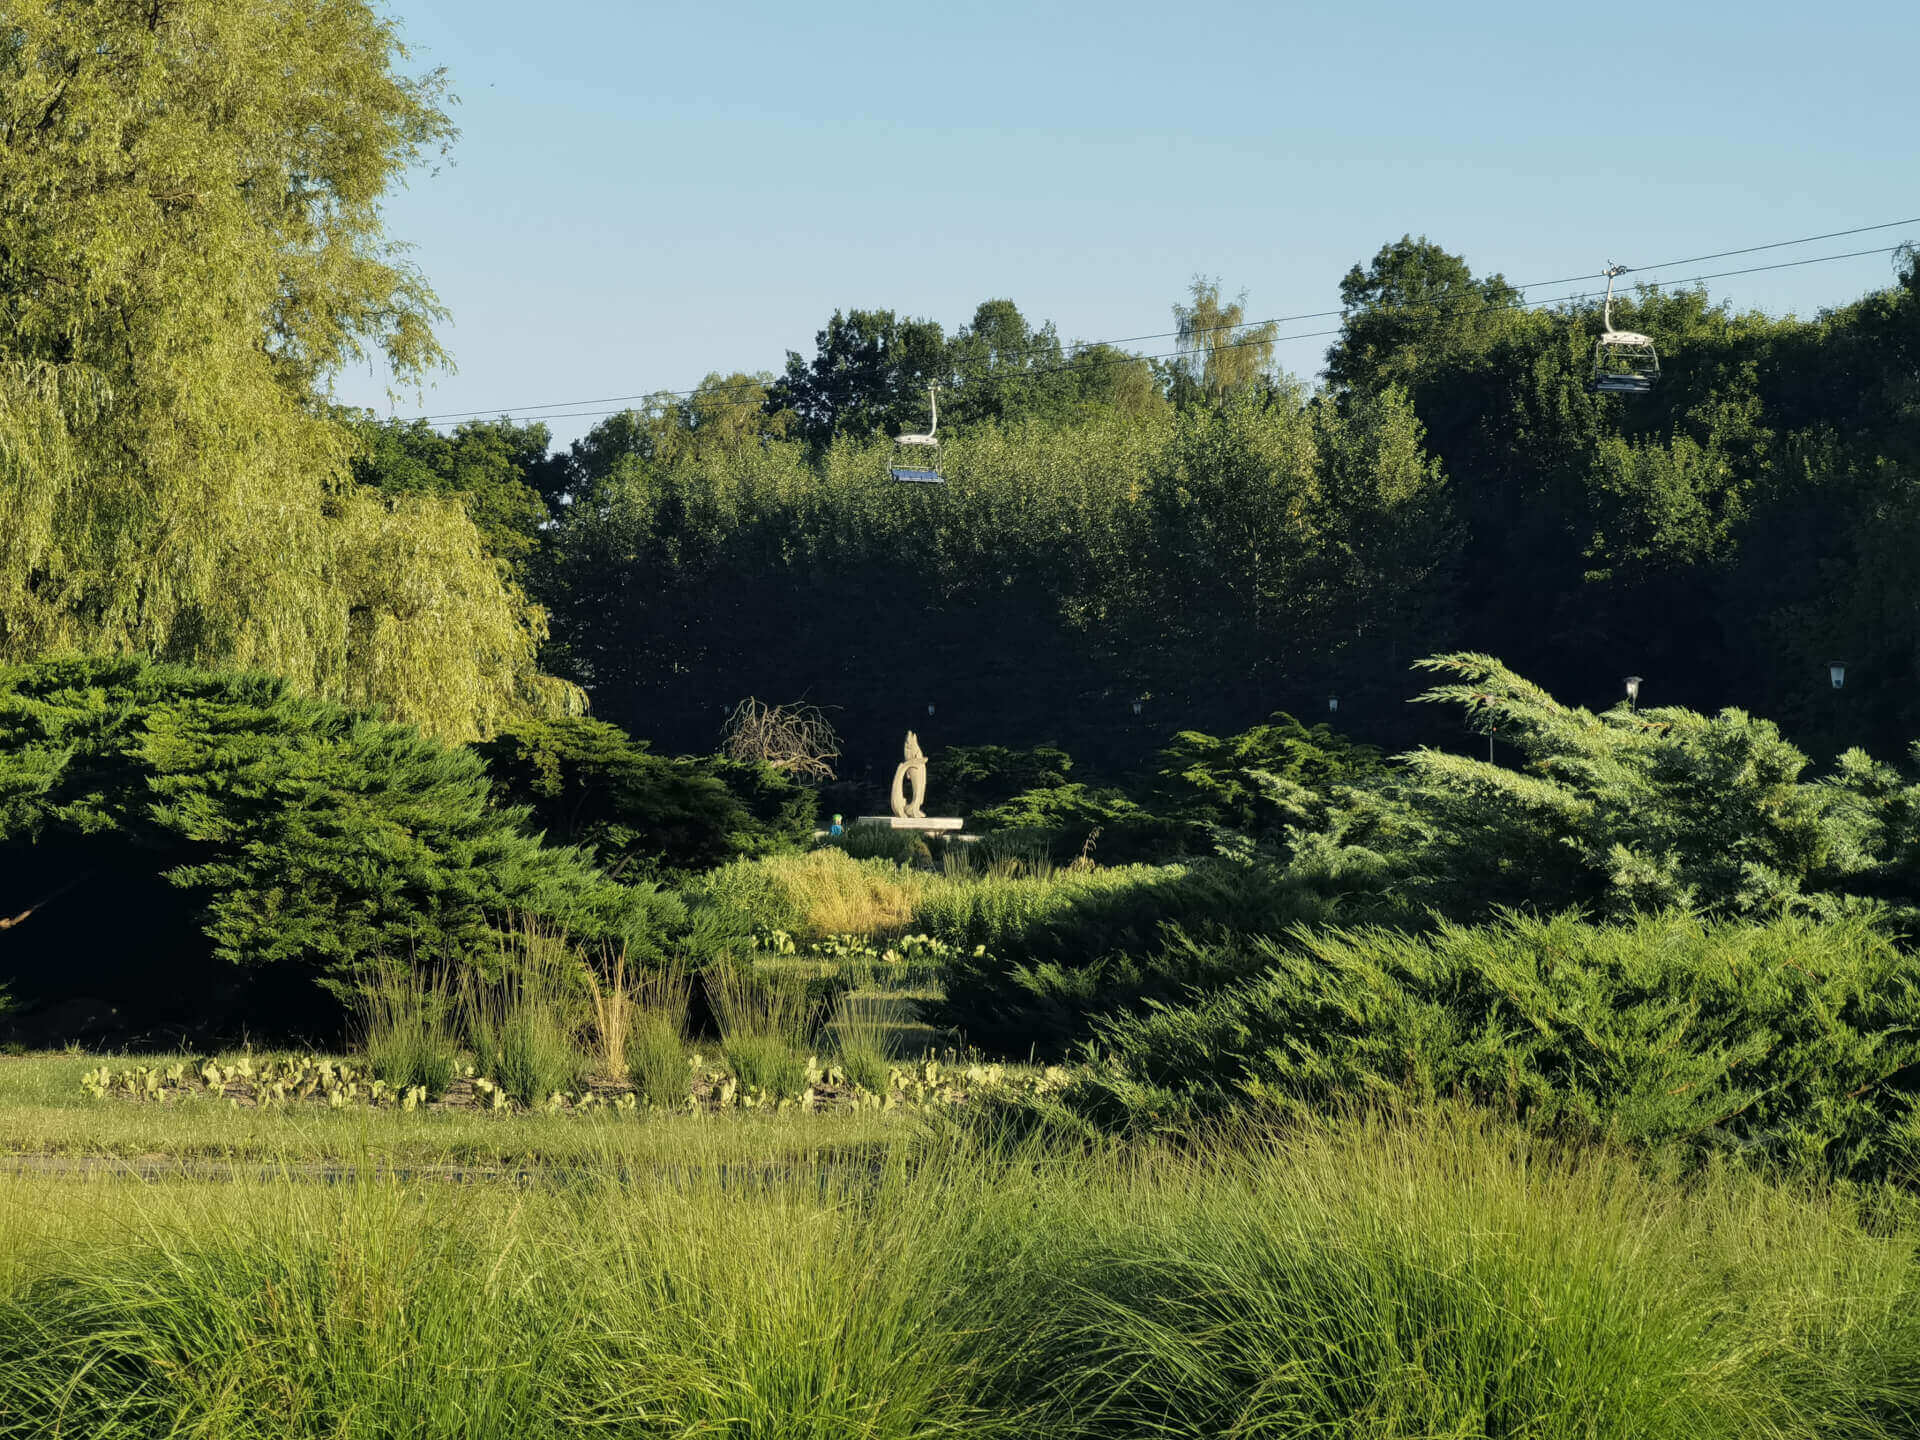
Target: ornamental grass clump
524 1026
863 1030
408 1030
611 1001
766 1023
656 1055
1440 1274
1445 1274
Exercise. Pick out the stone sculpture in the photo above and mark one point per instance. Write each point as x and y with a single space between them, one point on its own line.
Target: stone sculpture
910 771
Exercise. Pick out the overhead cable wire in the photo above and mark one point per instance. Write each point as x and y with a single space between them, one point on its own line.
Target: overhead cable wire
523 412
1429 312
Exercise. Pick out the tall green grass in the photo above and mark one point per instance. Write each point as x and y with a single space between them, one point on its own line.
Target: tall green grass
525 1023
766 1025
810 896
409 1030
865 1030
1004 904
656 1038
876 842
1433 1277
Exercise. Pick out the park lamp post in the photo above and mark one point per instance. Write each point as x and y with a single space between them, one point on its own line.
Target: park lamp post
1837 672
1137 704
929 709
1632 683
1333 704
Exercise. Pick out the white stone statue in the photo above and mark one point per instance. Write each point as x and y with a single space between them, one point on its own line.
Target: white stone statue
912 770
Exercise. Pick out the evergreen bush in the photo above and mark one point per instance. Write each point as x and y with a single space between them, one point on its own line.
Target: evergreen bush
1793 1042
588 783
303 833
1038 961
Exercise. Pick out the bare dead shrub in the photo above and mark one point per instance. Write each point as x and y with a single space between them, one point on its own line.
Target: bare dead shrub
794 739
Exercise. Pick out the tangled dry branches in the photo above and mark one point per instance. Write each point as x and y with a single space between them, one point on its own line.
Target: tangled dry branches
794 739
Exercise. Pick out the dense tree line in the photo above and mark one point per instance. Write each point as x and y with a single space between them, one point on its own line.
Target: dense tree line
1201 534
1219 541
373 640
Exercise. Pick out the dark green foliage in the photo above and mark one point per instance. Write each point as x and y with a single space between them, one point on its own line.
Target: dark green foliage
589 784
303 832
968 778
1413 311
1619 811
1262 784
1213 554
871 370
781 812
1253 789
869 374
1258 545
1724 536
1047 968
1792 1041
1263 780
1067 817
485 464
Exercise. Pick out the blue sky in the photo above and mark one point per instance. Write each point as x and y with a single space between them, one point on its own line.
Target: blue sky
646 193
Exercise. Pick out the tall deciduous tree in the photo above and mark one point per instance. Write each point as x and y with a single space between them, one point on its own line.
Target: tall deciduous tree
485 464
1414 309
190 245
869 374
1221 351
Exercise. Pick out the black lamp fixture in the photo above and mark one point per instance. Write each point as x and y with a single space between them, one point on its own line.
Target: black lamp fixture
1837 672
1333 704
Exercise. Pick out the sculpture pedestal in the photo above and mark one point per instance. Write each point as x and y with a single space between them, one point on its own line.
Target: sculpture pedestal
899 822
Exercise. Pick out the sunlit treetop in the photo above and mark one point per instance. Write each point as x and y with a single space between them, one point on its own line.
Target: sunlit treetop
190 246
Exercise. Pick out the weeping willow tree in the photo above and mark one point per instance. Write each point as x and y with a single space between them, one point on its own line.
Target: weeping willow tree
190 246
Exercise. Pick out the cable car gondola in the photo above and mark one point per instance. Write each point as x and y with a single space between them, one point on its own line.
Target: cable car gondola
910 473
1624 361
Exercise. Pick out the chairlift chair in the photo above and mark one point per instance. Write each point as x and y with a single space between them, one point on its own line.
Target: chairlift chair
922 474
1624 361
